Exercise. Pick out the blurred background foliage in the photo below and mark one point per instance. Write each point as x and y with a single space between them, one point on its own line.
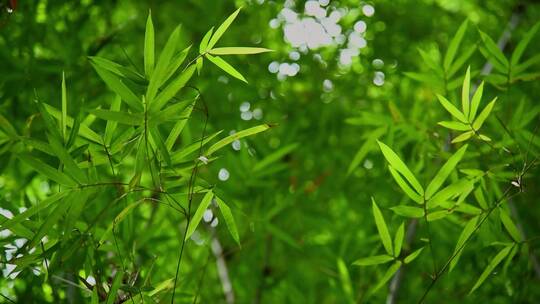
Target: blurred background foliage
300 193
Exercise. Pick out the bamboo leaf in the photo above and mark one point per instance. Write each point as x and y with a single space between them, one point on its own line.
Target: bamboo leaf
172 89
452 109
51 220
111 124
85 131
489 269
411 257
222 64
116 85
454 45
454 125
522 45
443 173
176 62
222 28
450 192
463 137
203 47
476 101
405 186
178 127
495 54
111 297
461 60
400 167
238 51
374 260
162 149
117 116
465 103
468 230
196 219
408 211
437 215
160 71
229 139
382 228
484 115
47 171
398 239
345 279
9 223
274 157
63 121
149 47
229 219
509 225
388 275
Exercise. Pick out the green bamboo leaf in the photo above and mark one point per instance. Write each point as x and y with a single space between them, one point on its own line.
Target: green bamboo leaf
7 127
345 279
172 89
178 127
199 64
437 215
465 235
274 157
400 167
116 85
454 45
461 60
398 239
452 109
489 269
238 51
450 192
47 225
465 103
181 155
387 276
476 101
70 166
116 68
203 47
463 137
443 173
405 186
160 71
509 225
176 62
111 124
229 139
413 256
495 54
117 116
47 171
222 64
149 47
382 228
408 211
222 28
229 219
9 223
196 219
483 115
522 45
374 260
85 131
111 297
118 219
63 121
454 125
368 145
52 127
170 113
162 149
522 67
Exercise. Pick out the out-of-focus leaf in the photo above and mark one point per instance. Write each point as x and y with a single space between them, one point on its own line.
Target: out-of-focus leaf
489 269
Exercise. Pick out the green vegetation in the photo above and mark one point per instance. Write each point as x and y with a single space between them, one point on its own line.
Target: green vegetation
269 152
